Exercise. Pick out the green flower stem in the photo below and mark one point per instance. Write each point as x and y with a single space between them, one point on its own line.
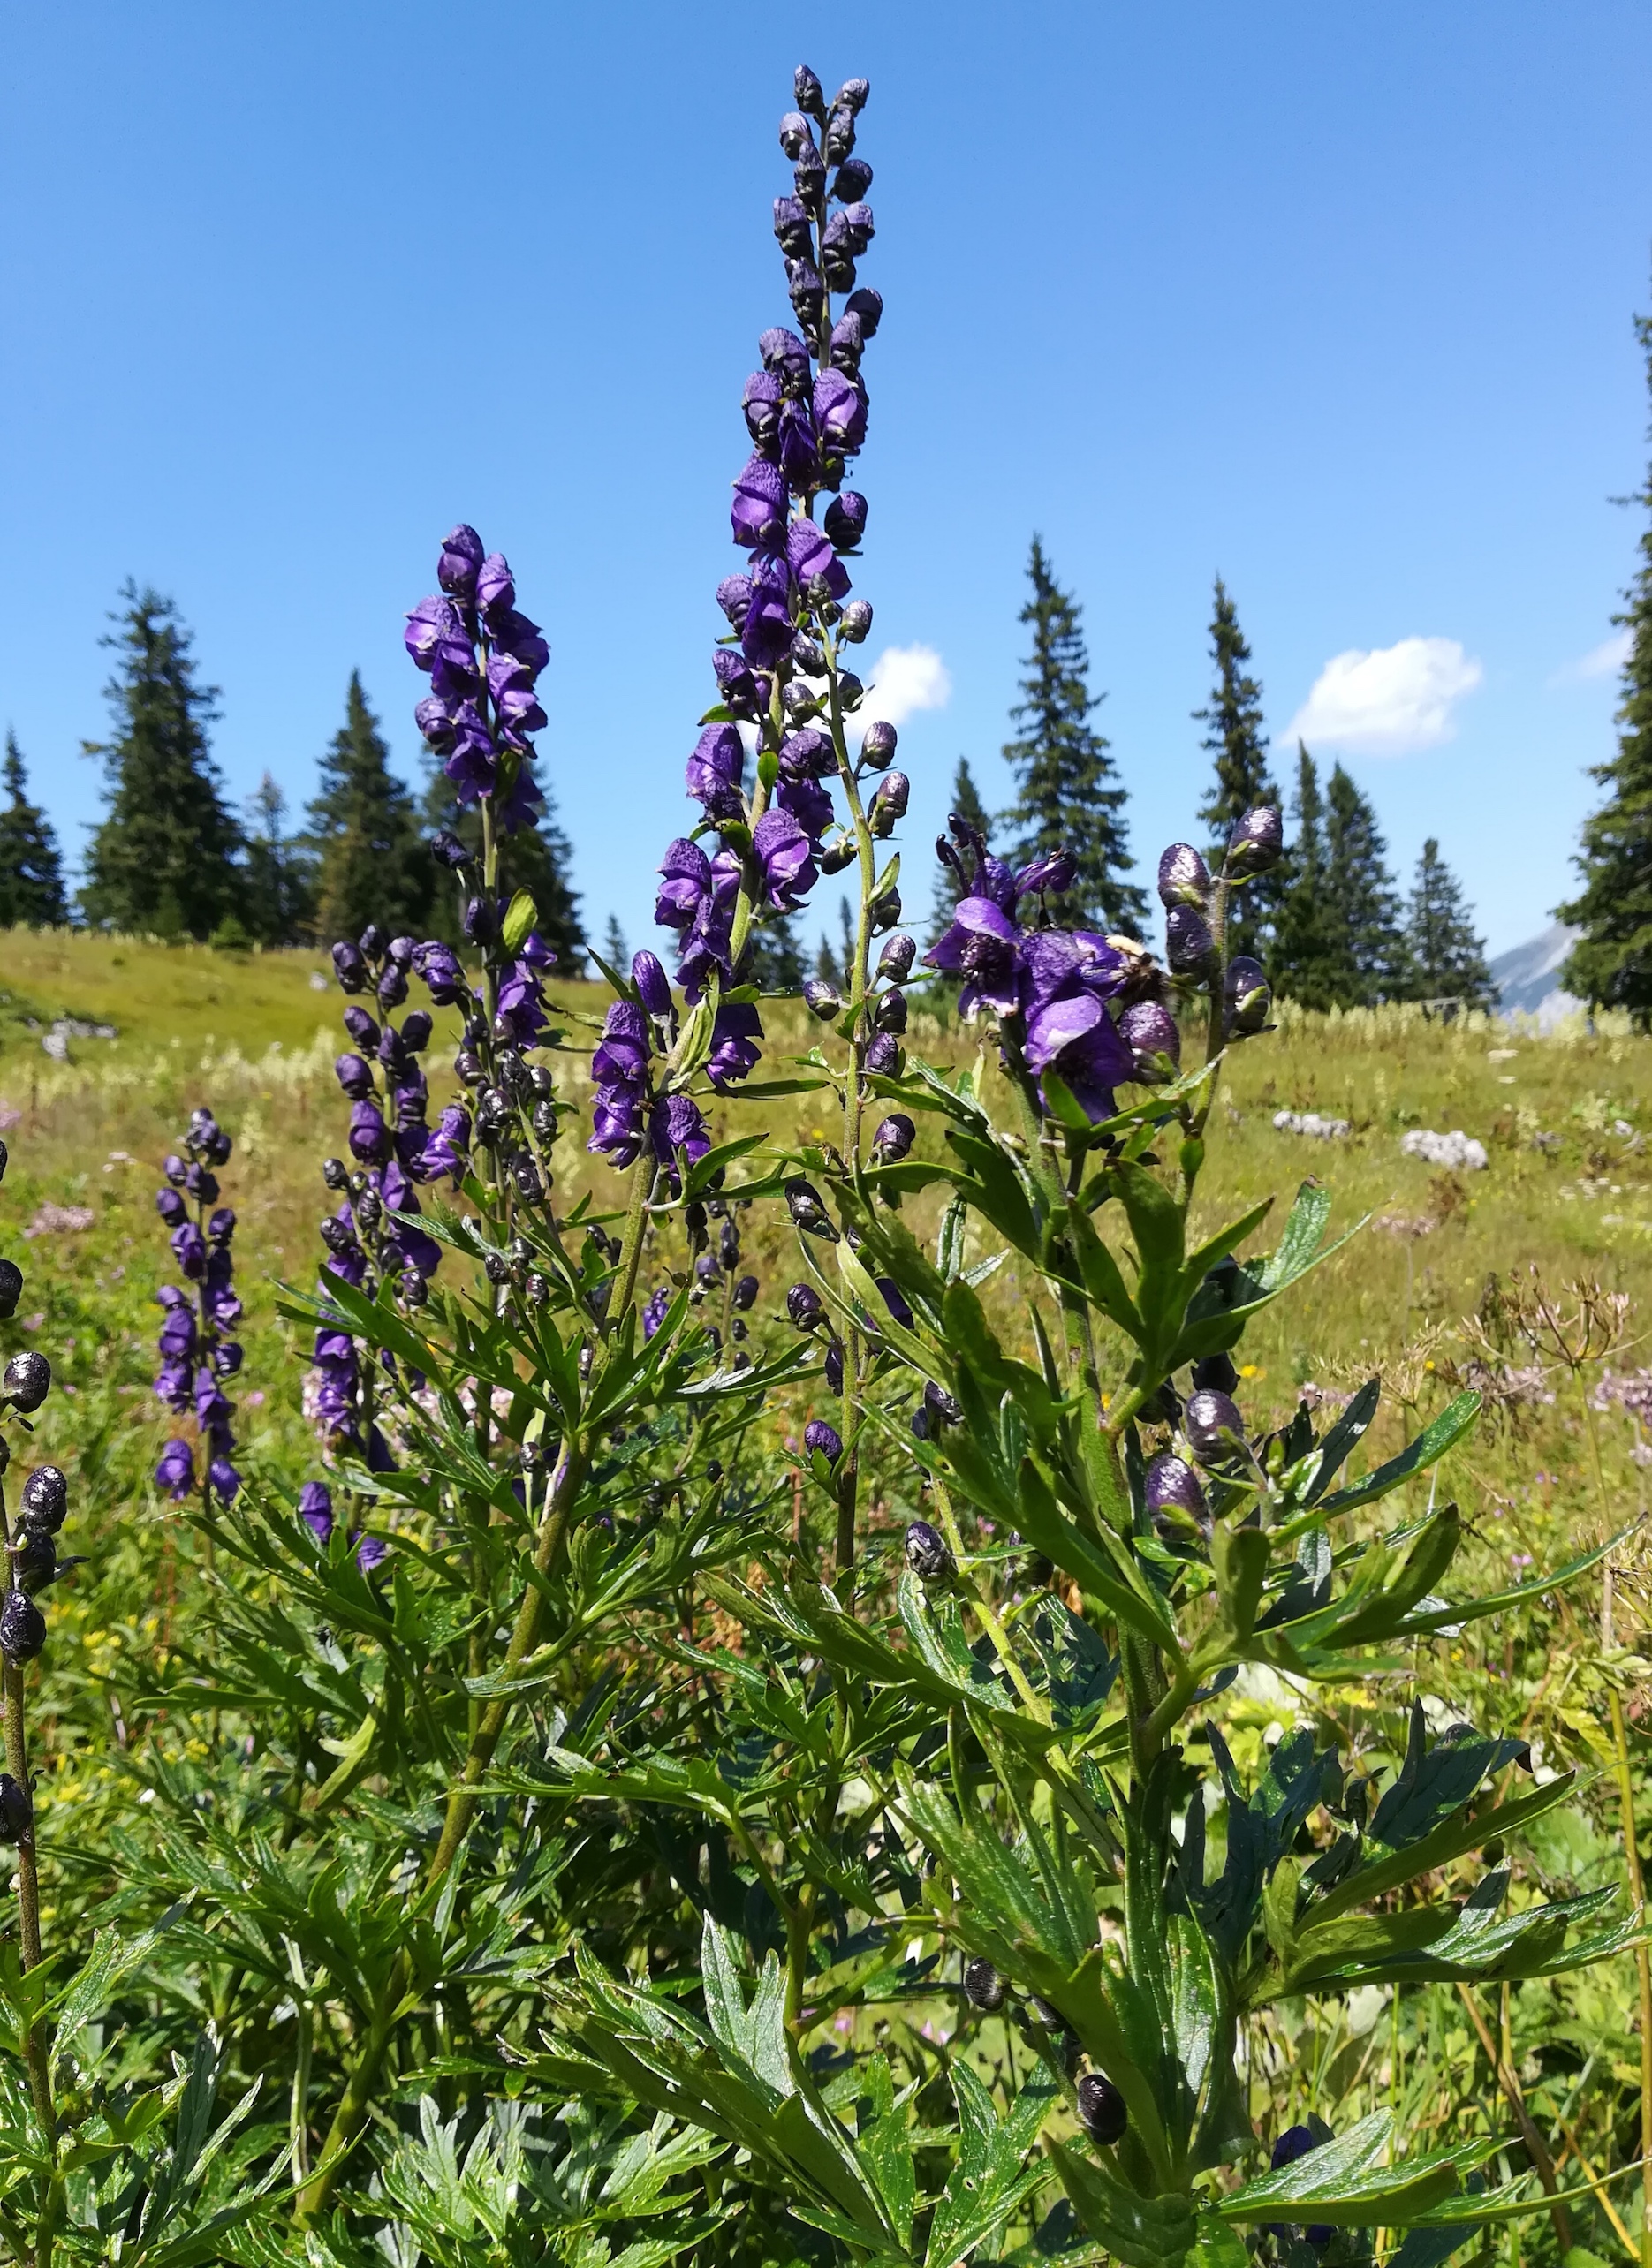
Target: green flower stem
36 2044
631 1238
979 1599
351 2115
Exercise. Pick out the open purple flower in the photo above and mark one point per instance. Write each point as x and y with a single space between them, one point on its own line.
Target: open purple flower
735 1053
176 1470
759 513
786 855
713 774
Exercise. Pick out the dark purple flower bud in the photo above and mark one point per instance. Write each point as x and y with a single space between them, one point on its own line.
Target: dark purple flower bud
315 1508
360 1026
983 1987
1255 844
856 624
853 180
745 1293
224 1479
189 1250
1172 1486
818 1435
373 941
845 519
1216 1374
1054 873
372 1551
436 637
1249 995
889 1014
170 1207
16 1811
812 558
349 967
734 1053
884 912
837 252
460 557
392 986
22 1627
1189 948
852 97
1213 1426
866 305
878 745
354 1075
734 596
496 591
435 720
1183 877
653 986
175 1171
821 999
807 92
894 1299
480 924
927 1554
859 227
759 400
783 352
795 134
847 345
840 411
805 1307
889 803
839 136
894 1137
833 1366
894 963
369 1137
11 1288
175 1471
416 1030
808 1212
1149 1030
883 1056
447 849
759 514
221 1227
45 1498
440 970
716 763
1102 2111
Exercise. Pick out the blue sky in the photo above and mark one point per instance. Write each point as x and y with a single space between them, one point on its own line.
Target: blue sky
1334 302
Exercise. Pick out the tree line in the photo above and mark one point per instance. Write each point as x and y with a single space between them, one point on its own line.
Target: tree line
172 858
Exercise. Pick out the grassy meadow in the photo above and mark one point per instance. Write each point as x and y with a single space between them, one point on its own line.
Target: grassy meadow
1437 1290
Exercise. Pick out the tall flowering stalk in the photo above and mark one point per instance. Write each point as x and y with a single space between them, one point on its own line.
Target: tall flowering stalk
197 1352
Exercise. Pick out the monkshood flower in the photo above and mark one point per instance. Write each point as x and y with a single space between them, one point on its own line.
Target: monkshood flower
315 1509
1052 991
805 414
483 658
195 1347
619 1072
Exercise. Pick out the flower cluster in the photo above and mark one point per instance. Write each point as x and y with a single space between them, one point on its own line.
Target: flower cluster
788 610
1068 1001
626 1110
482 657
31 1544
197 1354
1194 904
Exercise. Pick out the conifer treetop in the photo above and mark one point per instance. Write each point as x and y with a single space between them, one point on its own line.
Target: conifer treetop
1235 741
31 866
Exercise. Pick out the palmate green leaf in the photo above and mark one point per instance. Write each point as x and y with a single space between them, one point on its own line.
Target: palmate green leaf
1140 2231
1345 2183
990 2177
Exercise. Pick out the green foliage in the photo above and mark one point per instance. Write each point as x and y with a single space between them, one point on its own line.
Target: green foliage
537 859
1610 964
1067 797
1238 747
31 869
280 883
164 857
371 862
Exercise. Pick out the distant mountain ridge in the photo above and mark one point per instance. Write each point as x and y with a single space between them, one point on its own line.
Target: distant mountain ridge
1527 976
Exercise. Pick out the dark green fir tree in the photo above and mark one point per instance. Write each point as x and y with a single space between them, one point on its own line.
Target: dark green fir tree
1446 961
1239 752
966 805
537 859
31 869
615 951
1368 961
776 953
371 861
1068 796
1305 965
1610 964
279 905
165 856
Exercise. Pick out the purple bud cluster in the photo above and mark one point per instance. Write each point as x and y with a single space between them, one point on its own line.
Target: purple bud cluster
627 1110
1083 1006
483 658
806 413
197 1353
1186 891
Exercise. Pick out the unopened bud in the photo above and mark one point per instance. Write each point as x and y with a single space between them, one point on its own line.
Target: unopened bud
1255 843
1183 877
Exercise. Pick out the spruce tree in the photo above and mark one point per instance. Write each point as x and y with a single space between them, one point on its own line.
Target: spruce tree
1367 961
966 805
1304 964
280 896
1068 797
164 857
537 859
1234 739
31 870
1610 964
615 951
776 954
1446 960
371 864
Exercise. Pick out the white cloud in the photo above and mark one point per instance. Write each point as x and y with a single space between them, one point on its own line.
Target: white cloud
1602 661
1389 701
904 680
